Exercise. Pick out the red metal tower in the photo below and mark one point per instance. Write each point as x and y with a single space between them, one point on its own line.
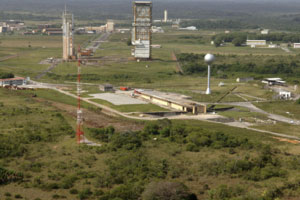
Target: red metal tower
80 133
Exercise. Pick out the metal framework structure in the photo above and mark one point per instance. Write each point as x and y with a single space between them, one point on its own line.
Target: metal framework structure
68 33
141 33
80 133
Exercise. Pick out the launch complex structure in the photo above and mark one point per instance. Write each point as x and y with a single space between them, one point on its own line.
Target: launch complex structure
68 36
141 32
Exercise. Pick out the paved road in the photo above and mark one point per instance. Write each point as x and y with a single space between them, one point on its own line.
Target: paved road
97 42
53 65
286 49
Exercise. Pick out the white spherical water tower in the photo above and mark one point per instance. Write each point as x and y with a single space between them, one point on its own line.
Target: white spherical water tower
209 59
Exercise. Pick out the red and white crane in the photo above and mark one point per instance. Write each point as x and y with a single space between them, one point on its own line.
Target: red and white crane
80 133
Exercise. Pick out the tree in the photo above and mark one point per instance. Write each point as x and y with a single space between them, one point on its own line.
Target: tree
238 41
167 191
218 41
6 75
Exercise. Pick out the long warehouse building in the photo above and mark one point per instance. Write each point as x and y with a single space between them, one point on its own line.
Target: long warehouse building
166 100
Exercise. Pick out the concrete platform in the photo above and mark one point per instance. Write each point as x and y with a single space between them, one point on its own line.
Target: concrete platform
118 99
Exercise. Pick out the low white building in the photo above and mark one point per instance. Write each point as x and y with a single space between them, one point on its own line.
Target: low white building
265 32
123 30
285 95
190 28
272 46
244 80
254 43
296 45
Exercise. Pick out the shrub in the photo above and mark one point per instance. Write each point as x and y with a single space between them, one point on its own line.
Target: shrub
102 134
6 75
18 196
68 182
84 194
55 196
224 192
7 176
98 193
167 191
128 141
73 191
7 194
151 129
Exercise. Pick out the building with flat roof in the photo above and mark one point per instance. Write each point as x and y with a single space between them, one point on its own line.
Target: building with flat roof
106 88
13 81
173 101
244 80
190 28
265 32
254 43
285 95
296 45
274 81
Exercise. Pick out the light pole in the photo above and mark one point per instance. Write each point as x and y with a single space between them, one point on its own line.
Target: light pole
209 59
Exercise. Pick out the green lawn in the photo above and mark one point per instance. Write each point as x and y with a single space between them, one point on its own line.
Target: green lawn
285 108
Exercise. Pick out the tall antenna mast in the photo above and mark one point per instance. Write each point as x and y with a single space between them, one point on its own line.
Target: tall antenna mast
80 133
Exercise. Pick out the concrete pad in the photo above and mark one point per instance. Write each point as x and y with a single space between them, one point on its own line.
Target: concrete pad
118 99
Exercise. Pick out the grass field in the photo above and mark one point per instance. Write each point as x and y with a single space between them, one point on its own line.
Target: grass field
285 108
31 50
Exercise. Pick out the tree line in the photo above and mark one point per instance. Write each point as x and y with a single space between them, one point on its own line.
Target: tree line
194 63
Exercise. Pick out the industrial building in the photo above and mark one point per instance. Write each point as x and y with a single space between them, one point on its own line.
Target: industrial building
244 80
3 29
106 88
13 81
141 32
52 31
285 95
254 43
173 101
68 33
110 26
11 25
274 81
